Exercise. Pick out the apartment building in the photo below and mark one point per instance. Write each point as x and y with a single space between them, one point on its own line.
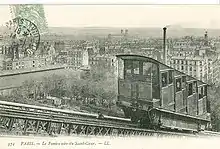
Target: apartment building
102 60
25 63
198 67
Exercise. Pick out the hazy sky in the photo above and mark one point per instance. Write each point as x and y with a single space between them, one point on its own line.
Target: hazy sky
201 16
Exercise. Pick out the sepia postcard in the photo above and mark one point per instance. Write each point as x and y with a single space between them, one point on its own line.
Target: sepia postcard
109 76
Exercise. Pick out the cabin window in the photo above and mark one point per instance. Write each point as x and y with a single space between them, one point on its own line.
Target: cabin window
184 82
201 92
205 91
170 76
128 67
178 85
190 89
194 87
164 79
139 70
136 66
147 68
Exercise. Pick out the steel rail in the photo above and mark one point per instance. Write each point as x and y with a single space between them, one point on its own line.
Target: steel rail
145 132
38 118
88 122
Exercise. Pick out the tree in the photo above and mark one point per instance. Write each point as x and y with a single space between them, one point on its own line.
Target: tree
214 97
98 88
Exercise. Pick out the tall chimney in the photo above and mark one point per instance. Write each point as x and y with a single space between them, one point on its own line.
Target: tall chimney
164 46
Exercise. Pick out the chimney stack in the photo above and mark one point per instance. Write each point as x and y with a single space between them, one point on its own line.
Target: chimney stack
164 46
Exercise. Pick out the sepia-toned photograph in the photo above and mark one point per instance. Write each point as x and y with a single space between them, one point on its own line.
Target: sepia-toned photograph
73 72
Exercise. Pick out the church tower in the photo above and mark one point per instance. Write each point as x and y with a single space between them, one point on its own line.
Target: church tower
206 40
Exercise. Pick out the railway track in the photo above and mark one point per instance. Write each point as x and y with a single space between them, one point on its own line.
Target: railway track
21 119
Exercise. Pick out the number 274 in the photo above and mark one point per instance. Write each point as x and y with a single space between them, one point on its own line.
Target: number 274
11 144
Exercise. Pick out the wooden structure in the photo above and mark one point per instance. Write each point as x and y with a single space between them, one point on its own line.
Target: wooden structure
157 95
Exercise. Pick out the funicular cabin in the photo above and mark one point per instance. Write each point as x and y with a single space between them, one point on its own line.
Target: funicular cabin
154 94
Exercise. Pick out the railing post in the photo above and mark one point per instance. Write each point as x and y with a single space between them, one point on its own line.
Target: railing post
49 127
11 122
37 127
60 127
25 126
